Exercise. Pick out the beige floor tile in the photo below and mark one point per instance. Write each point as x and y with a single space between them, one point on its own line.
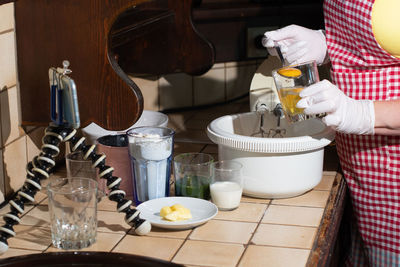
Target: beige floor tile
108 221
326 183
40 196
224 231
311 199
205 253
159 232
284 236
30 237
38 216
104 242
255 200
107 205
160 248
246 212
291 215
13 252
260 256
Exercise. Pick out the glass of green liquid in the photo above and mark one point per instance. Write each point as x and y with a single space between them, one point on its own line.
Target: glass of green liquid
192 173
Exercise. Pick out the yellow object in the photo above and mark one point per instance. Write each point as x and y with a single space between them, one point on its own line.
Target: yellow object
289 98
176 212
165 211
385 22
289 72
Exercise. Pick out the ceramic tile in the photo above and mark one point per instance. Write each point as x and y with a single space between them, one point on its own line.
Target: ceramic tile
214 112
218 66
211 149
181 147
246 212
205 253
290 215
284 236
238 80
199 136
8 76
260 256
38 216
108 221
165 233
7 17
107 205
104 242
14 157
239 63
34 142
160 248
197 124
255 200
13 252
177 121
326 183
210 87
9 111
2 179
175 91
30 237
40 196
310 199
224 231
149 88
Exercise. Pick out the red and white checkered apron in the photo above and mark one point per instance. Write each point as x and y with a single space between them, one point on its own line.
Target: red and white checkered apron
371 163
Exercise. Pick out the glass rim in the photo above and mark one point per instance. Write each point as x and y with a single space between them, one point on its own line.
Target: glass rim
59 179
313 62
238 166
131 133
179 156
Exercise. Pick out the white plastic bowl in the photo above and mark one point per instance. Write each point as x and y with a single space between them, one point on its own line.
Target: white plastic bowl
149 118
273 167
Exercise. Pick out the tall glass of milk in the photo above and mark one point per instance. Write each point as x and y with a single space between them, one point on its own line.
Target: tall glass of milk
150 151
226 185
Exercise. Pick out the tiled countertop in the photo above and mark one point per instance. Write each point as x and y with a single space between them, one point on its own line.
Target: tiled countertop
261 232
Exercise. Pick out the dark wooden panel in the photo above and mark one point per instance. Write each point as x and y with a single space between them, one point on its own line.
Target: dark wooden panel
93 35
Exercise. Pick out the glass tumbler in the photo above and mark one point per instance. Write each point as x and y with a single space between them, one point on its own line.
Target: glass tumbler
73 212
226 184
150 151
193 174
289 81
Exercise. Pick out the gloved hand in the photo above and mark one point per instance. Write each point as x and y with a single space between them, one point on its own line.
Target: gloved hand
344 114
298 44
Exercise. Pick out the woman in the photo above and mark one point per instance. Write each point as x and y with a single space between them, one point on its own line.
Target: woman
362 104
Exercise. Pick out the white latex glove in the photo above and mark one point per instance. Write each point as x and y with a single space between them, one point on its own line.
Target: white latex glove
298 44
344 114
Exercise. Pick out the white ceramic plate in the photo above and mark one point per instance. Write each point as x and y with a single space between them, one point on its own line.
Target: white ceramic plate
202 211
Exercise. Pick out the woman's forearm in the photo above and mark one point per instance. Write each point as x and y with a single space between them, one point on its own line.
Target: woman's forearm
387 117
